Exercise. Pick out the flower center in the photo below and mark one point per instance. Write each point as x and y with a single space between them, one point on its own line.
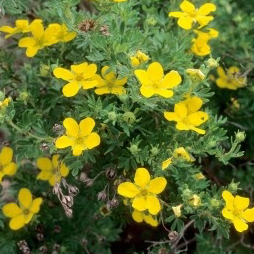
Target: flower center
79 77
26 211
80 141
39 42
144 193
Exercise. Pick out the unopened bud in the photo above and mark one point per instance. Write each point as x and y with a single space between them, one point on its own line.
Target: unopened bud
44 70
102 195
23 96
240 136
114 203
212 63
129 117
233 187
110 173
215 202
57 128
112 116
154 151
172 236
134 149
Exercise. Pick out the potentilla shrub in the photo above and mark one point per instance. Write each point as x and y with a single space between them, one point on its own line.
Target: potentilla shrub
105 123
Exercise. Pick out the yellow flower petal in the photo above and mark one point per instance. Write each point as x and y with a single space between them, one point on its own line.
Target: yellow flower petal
227 214
55 178
137 216
193 104
203 20
10 169
79 68
32 51
89 84
248 215
180 109
153 204
240 226
37 29
150 220
63 142
90 71
198 130
27 42
7 29
147 91
185 22
6 156
64 170
128 190
197 118
155 71
25 198
176 14
11 210
86 126
28 217
44 163
44 175
143 78
36 205
171 79
157 185
108 75
17 222
229 199
139 203
164 93
171 116
71 126
142 177
55 161
205 9
166 163
187 6
183 127
221 72
241 203
92 140
71 89
63 74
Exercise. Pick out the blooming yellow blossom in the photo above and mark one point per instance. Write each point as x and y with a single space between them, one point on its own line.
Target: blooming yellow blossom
7 166
51 170
177 210
236 211
5 102
231 79
61 32
22 214
195 200
79 136
196 73
21 26
139 58
190 14
200 45
143 191
187 115
109 83
81 75
143 216
153 81
40 38
179 152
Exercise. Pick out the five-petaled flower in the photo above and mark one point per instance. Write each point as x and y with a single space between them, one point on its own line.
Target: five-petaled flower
231 79
179 152
108 83
144 216
40 38
7 166
139 58
153 81
200 46
187 115
51 170
79 136
22 214
143 191
190 14
21 26
236 211
81 75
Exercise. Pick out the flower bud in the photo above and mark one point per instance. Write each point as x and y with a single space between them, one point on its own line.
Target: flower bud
134 149
112 116
110 173
44 70
23 96
212 63
215 202
233 187
102 195
172 235
129 117
177 210
154 151
240 136
195 200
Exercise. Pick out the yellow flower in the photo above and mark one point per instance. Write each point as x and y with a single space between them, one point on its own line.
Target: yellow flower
231 79
179 152
199 176
5 102
200 45
195 200
235 103
177 210
118 1
196 73
138 58
7 166
21 26
187 115
81 75
143 191
142 216
61 32
109 83
79 136
236 211
154 82
190 14
22 214
40 38
51 170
